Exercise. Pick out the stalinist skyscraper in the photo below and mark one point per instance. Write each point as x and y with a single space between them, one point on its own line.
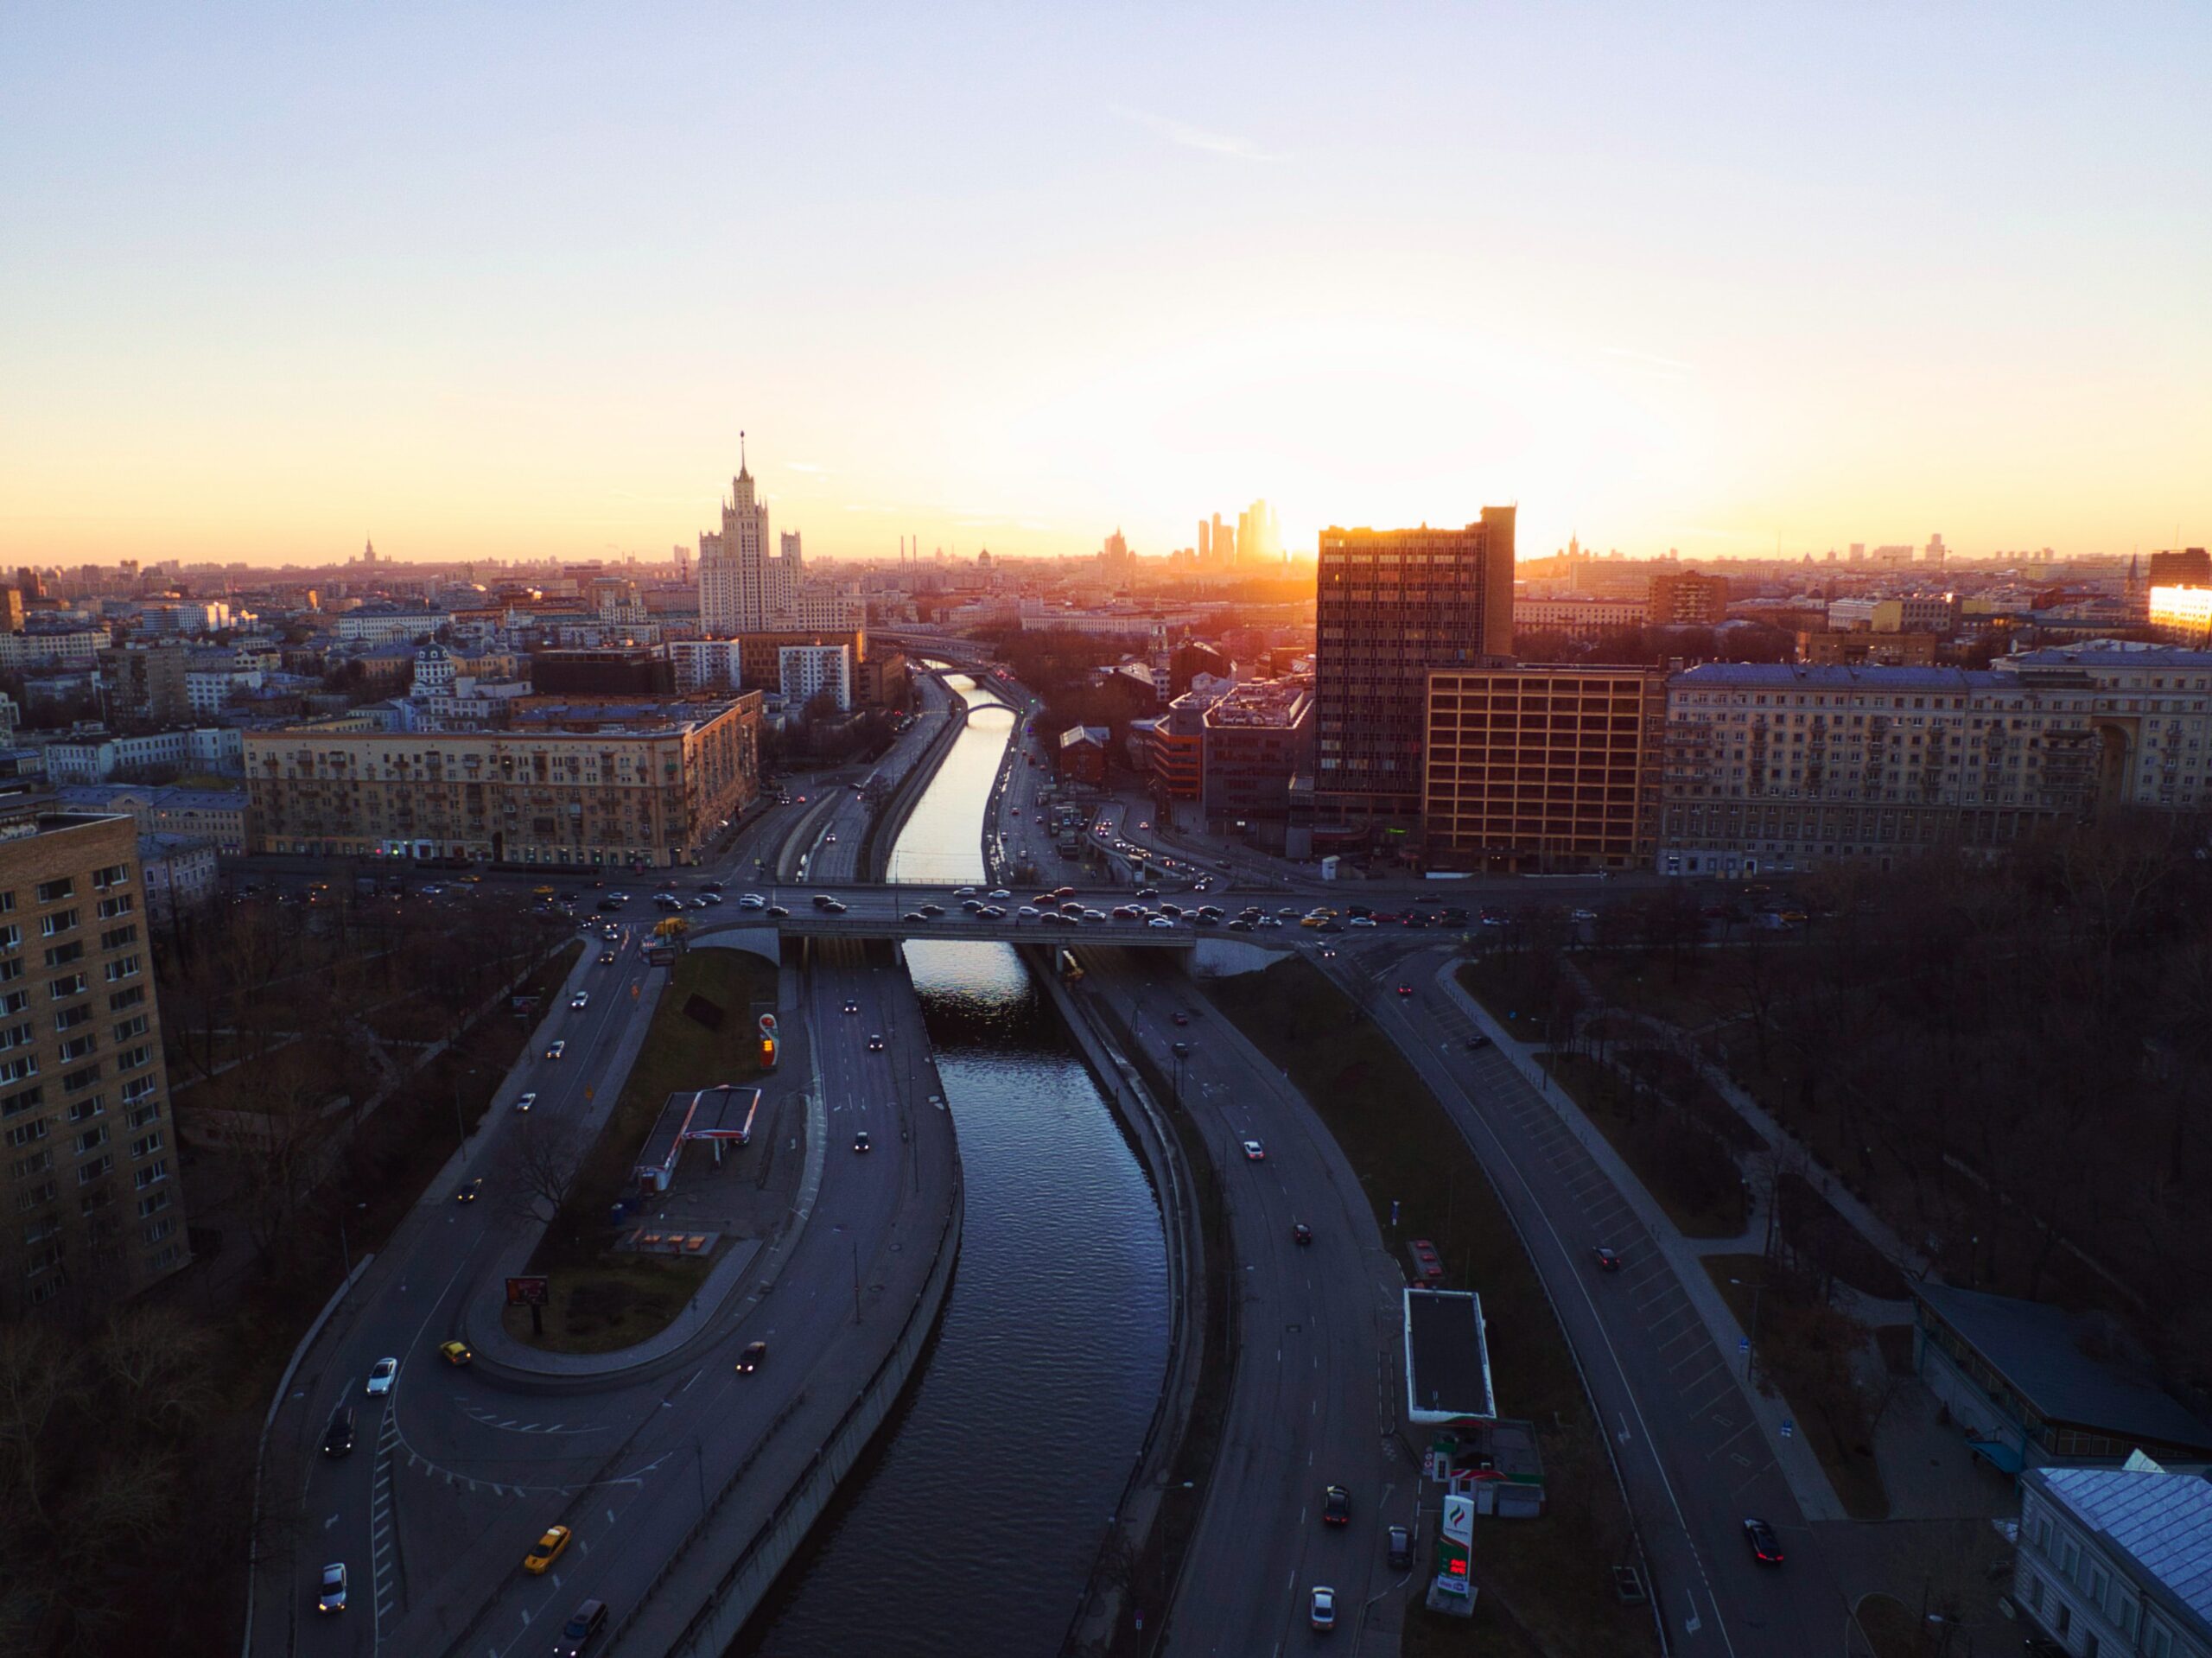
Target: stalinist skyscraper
742 586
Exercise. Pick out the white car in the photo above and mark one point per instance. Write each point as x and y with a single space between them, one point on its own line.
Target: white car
582 998
753 901
523 1102
1254 1152
1324 1610
1162 923
330 1595
1000 895
382 1375
1362 921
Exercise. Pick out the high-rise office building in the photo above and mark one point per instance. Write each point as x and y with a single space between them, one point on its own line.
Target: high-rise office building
97 1213
1393 604
2181 567
1259 535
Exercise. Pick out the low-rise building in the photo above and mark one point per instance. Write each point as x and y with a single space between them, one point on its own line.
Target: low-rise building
1080 756
1578 618
569 783
180 872
2117 1560
215 816
1257 737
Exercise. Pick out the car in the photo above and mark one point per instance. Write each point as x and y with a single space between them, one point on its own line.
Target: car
330 1596
1182 1051
823 900
549 1548
382 1375
1146 824
1478 1042
1179 1017
775 911
875 1042
851 1005
524 1102
584 1626
915 918
1609 1260
933 911
1582 915
1000 895
1336 1506
556 1050
1301 1234
1399 1546
749 1360
963 891
829 839
1321 1611
606 958
455 1353
337 1438
1765 1547
470 1191
1405 990
753 901
1254 1152
1360 921
861 1143
711 886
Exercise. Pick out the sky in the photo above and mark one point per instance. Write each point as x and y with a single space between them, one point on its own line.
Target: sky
509 281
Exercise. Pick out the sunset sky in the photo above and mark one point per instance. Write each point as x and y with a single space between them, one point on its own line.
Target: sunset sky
507 281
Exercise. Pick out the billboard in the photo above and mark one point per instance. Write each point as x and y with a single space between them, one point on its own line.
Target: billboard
527 1291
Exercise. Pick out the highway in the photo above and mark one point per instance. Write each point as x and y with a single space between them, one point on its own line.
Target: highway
457 1471
1319 1329
1691 1452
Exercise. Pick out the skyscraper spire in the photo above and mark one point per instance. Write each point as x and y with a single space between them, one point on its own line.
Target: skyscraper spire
741 472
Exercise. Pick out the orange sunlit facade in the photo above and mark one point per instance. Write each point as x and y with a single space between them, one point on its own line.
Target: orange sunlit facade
1533 768
2183 615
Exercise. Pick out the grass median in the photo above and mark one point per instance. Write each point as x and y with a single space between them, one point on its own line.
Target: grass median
1546 1583
601 1299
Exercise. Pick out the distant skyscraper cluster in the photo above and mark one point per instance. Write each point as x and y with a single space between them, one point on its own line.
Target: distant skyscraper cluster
1254 538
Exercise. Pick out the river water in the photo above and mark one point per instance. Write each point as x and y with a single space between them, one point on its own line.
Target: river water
972 1527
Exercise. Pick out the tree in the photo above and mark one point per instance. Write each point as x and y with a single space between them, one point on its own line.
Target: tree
543 1168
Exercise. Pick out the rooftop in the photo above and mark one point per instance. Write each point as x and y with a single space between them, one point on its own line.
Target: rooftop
2161 1520
1447 1357
1264 703
2037 1348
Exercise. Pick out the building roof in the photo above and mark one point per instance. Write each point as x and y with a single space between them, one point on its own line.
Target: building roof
2037 1348
1077 736
2161 1520
2114 653
1447 1357
1818 677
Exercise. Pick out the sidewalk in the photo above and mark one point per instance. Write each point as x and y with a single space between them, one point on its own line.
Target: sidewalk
1801 1468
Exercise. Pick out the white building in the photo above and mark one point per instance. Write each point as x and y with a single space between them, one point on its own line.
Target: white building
2117 1560
385 624
71 647
742 584
179 871
807 670
705 665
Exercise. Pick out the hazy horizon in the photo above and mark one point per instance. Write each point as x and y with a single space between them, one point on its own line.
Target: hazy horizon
1718 279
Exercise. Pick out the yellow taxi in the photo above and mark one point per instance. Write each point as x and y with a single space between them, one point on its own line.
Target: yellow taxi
456 1352
549 1548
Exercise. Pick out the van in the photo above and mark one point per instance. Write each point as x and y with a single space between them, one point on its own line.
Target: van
585 1625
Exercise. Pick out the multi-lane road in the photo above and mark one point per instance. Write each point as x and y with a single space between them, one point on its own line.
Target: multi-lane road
457 1470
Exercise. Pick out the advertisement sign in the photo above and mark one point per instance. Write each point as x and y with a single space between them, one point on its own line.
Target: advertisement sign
527 1291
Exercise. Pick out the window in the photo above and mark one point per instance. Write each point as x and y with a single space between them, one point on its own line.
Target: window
111 907
59 921
146 1145
153 1204
117 937
114 874
152 1174
123 967
50 891
122 998
62 955
67 1019
131 1027
104 1164
69 984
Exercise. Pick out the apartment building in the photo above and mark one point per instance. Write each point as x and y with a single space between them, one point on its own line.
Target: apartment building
1685 599
1391 605
94 1210
568 783
1540 768
1781 767
805 672
2117 1560
1578 618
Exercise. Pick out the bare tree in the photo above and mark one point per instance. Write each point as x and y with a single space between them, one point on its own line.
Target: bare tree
547 1159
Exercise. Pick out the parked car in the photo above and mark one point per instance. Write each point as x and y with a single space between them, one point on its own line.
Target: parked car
1400 1546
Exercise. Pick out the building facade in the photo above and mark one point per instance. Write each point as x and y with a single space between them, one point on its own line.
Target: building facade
1543 769
1785 767
2113 1561
83 1099
1685 599
806 671
1578 619
1391 605
1258 737
568 784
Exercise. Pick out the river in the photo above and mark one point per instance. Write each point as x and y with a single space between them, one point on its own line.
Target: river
972 1526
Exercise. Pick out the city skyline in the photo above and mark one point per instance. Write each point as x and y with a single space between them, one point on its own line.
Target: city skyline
1712 282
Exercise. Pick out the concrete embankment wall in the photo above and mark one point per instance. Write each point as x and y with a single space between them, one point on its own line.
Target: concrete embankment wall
731 1599
882 834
